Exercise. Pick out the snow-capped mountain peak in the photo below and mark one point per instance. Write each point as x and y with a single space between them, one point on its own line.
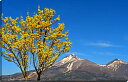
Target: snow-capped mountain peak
115 64
67 59
116 61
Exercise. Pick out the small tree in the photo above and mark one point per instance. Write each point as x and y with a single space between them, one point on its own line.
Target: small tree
48 42
15 43
36 37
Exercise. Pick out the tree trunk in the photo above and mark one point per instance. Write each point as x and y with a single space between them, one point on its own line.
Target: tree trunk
38 77
25 76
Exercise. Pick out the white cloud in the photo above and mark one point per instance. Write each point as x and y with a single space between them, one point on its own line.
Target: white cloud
110 54
106 53
100 44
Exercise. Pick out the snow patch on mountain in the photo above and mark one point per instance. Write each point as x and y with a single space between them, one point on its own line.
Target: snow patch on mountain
69 67
67 59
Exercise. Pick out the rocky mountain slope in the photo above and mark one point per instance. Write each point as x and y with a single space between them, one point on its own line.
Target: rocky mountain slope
74 69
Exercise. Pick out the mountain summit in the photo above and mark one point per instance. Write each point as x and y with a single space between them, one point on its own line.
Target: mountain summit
117 61
67 59
72 68
117 64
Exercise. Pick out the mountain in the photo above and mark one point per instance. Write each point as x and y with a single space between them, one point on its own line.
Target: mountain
72 68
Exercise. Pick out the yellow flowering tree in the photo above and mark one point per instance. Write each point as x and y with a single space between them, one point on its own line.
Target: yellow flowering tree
15 43
34 37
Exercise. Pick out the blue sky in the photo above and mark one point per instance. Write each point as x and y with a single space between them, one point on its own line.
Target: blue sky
98 28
